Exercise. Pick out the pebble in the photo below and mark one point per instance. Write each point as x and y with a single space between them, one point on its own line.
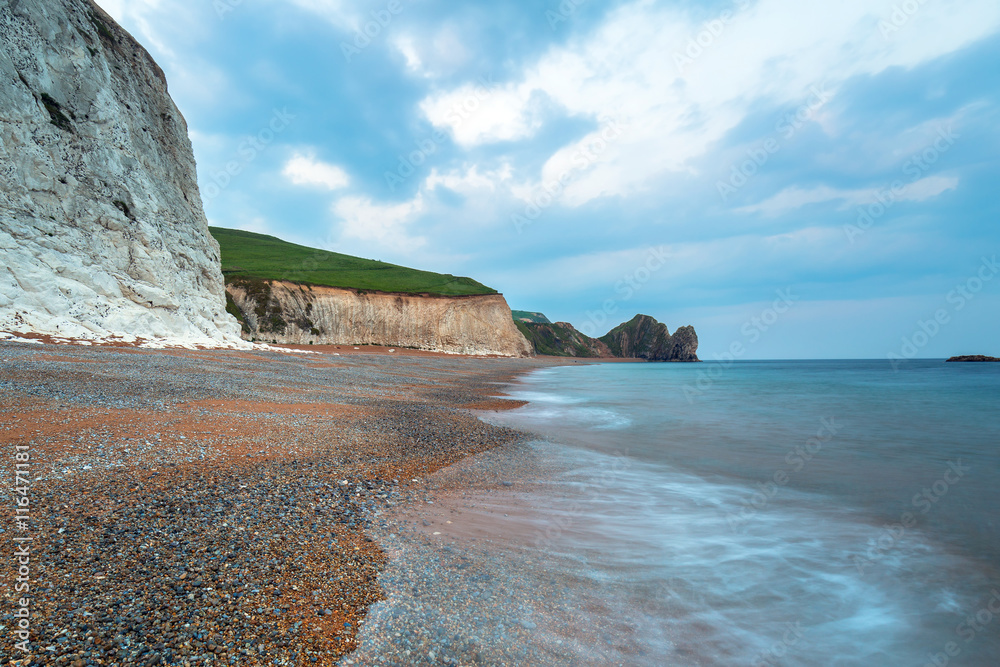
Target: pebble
217 507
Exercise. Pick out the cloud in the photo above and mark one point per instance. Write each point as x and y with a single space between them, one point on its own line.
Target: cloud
434 55
470 180
794 197
383 225
681 84
481 112
406 47
307 170
687 111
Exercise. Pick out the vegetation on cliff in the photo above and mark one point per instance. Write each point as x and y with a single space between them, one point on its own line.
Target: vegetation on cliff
561 340
246 255
640 338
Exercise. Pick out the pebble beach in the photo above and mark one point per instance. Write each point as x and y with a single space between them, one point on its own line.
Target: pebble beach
226 507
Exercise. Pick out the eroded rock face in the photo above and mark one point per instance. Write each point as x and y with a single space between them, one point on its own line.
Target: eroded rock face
640 338
102 232
684 345
285 312
643 337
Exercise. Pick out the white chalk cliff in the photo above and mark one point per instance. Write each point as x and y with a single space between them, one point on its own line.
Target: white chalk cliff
102 231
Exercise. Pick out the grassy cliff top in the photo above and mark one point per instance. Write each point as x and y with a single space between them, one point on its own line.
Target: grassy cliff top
250 255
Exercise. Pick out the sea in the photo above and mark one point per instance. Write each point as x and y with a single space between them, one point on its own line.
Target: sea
827 513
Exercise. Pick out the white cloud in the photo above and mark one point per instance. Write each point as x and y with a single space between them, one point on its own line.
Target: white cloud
471 180
628 70
385 226
928 188
433 55
795 197
481 112
406 46
307 170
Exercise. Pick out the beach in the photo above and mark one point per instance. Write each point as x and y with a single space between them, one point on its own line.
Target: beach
377 507
215 507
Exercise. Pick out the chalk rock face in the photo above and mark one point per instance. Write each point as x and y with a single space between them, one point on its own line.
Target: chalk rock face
102 232
285 312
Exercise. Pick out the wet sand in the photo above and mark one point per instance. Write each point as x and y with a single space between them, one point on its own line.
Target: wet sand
471 581
219 507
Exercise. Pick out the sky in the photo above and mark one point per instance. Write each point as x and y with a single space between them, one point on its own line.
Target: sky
794 179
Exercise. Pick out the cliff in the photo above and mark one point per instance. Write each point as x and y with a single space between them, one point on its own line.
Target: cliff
102 231
285 312
640 338
562 340
643 337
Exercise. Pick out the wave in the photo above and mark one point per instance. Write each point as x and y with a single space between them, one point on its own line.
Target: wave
659 547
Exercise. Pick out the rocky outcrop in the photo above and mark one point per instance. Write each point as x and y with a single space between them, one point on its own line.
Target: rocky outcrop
684 345
640 338
974 357
643 337
284 312
562 340
102 231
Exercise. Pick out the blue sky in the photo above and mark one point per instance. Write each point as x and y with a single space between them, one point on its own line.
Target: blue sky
796 180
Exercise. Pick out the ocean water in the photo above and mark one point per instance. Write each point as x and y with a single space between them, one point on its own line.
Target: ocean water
765 513
828 513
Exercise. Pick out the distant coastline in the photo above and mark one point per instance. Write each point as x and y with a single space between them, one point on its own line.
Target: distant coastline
974 357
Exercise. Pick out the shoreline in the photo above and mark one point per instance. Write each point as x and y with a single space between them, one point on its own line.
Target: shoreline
335 350
229 467
477 575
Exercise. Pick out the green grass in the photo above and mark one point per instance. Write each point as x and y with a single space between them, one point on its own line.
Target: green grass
249 255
